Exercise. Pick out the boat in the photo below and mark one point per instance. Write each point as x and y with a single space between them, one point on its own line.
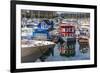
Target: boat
84 44
84 39
67 31
33 50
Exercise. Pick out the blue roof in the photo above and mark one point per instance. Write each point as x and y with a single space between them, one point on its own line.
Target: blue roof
46 24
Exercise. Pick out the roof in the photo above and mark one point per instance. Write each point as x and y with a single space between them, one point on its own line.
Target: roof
66 24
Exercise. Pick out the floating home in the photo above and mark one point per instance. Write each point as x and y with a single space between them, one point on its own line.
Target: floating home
42 31
67 30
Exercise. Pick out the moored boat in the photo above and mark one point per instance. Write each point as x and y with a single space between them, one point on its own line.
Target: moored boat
32 50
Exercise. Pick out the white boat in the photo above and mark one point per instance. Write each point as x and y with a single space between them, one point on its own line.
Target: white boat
32 50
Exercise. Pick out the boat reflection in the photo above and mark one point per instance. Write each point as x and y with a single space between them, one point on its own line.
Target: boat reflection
68 48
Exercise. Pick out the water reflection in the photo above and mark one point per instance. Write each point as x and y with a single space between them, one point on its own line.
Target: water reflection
84 47
72 49
68 48
47 54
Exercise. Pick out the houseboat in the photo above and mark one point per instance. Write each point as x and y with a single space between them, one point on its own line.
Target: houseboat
84 44
84 39
67 30
42 32
26 33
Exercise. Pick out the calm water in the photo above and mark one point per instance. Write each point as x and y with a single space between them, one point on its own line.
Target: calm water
58 57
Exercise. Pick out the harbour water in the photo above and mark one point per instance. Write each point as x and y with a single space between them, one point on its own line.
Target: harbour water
69 31
57 57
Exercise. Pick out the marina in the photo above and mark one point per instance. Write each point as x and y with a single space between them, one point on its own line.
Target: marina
55 36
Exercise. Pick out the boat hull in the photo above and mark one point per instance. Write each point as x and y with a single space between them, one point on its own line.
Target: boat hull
31 54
